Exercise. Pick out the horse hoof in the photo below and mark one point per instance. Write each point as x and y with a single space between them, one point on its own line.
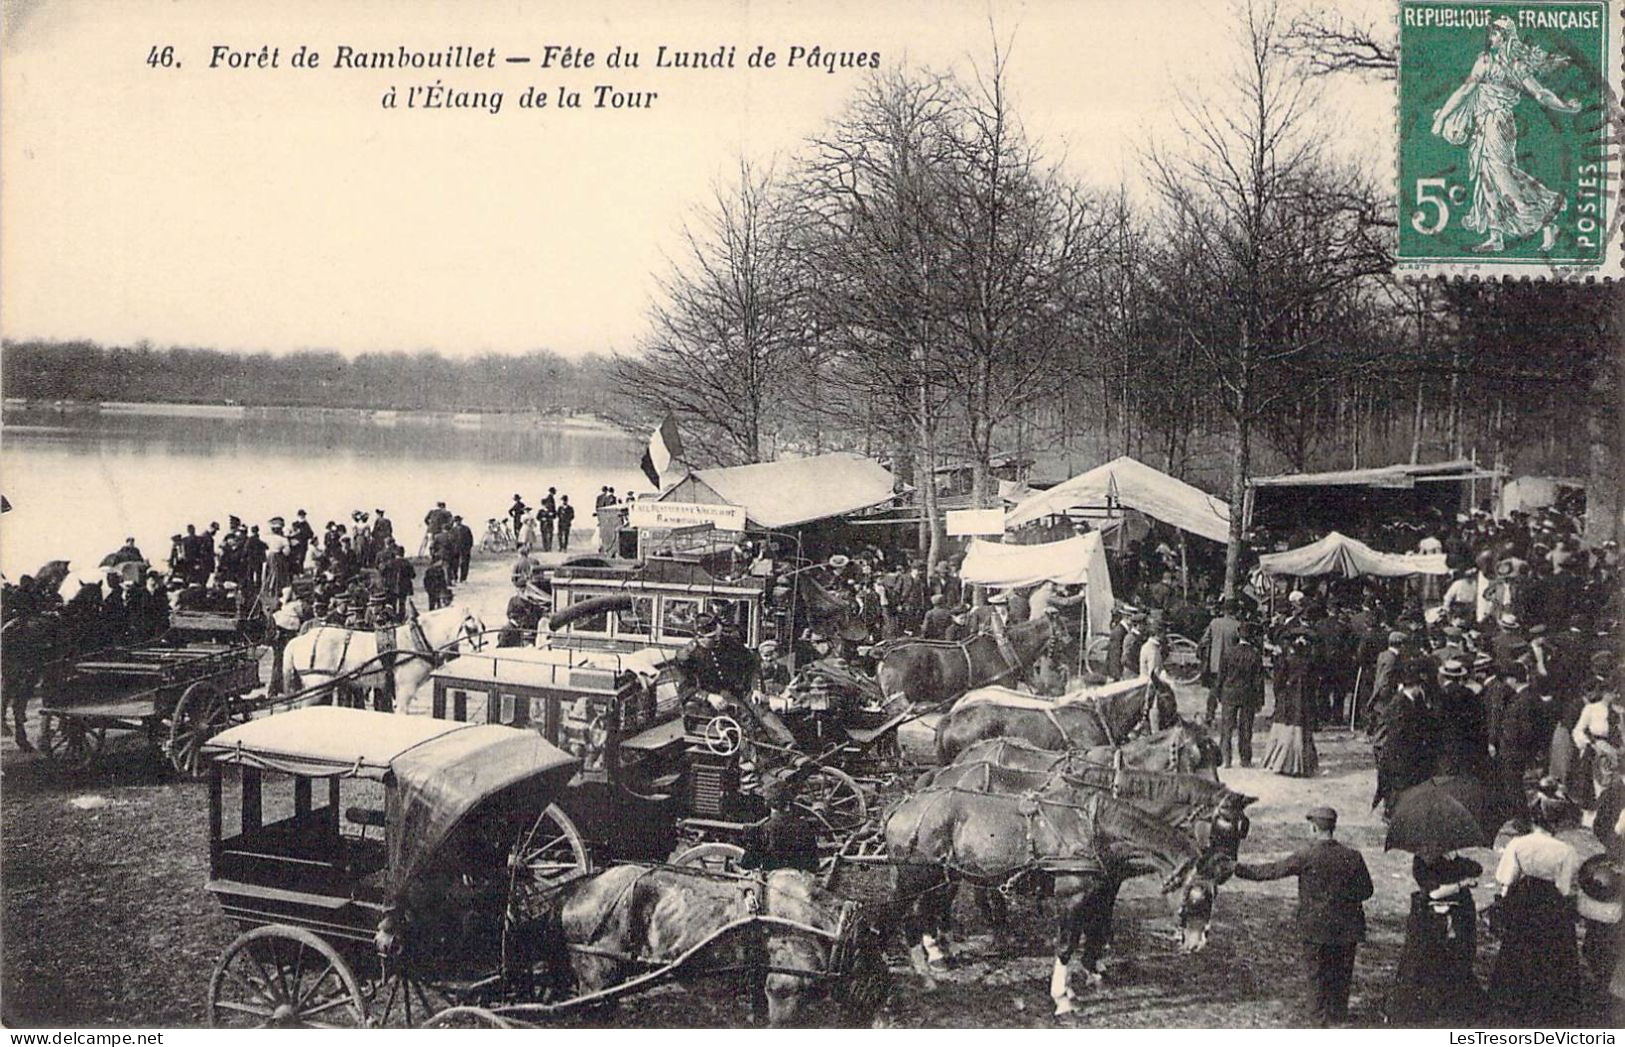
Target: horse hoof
1065 1005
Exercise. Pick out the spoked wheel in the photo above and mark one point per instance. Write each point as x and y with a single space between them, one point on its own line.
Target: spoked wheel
1182 662
548 855
69 743
277 977
714 857
468 1018
404 1001
834 800
202 713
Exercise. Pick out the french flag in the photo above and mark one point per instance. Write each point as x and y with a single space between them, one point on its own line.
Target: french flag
665 446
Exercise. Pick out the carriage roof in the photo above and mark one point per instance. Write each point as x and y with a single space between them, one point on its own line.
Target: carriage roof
578 668
440 770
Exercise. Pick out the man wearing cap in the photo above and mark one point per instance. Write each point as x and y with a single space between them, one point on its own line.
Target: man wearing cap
786 840
939 621
1333 884
1384 676
716 663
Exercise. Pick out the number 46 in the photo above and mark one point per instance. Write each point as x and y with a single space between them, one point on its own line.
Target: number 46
164 57
1432 192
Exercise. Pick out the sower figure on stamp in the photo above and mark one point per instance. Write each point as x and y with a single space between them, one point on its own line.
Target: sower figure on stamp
1507 200
1333 884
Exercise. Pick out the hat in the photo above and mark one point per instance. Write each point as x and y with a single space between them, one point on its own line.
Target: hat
1324 817
1482 660
1537 630
1599 893
1296 596
1398 636
768 647
707 624
277 521
1452 630
1453 669
999 598
1506 569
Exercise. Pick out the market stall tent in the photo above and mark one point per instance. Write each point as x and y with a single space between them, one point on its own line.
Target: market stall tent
1080 560
792 491
1340 554
1125 483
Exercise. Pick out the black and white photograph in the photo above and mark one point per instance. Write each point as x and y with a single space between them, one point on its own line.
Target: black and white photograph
745 514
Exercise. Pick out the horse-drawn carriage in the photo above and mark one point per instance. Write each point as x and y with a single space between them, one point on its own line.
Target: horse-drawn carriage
196 680
418 879
391 906
659 774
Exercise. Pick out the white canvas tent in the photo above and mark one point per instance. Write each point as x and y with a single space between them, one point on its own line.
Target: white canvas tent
1130 484
1080 560
1340 554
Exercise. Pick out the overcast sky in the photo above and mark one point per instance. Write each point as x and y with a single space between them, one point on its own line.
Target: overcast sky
284 209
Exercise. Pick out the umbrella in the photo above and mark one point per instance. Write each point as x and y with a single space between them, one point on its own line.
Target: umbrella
1440 815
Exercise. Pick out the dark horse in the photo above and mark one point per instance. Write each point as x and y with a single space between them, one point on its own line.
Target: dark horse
793 937
930 672
1197 803
1079 843
28 644
1098 716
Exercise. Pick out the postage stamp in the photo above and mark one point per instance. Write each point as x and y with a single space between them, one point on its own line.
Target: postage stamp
1509 134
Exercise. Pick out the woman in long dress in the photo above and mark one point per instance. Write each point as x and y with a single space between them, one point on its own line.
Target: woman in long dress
1291 748
1435 986
1507 200
1536 976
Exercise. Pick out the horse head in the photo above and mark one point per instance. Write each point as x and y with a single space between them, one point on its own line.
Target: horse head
1230 824
1191 892
849 949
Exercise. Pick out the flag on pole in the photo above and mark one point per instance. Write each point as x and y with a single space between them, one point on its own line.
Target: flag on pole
665 446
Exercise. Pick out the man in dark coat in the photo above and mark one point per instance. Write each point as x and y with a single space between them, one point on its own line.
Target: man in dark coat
1333 884
1410 746
463 547
939 621
1239 692
300 537
1464 739
437 584
398 575
1219 636
547 518
567 520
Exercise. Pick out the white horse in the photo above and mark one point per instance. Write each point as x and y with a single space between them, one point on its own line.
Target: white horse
323 652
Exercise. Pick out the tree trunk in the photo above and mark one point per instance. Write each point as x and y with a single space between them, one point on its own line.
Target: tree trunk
1239 463
1603 509
1416 425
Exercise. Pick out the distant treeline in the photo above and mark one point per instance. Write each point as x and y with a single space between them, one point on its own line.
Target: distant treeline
535 381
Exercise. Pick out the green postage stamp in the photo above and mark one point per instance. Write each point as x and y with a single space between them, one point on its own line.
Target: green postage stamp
1509 135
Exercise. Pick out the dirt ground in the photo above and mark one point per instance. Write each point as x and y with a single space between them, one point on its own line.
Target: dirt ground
106 920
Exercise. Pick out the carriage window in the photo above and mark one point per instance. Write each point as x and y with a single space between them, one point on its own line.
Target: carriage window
678 617
732 613
598 623
637 620
506 713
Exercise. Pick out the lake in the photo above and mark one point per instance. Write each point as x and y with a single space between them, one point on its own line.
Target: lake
80 480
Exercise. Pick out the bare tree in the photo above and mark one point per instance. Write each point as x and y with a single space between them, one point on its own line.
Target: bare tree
1281 232
1326 42
715 352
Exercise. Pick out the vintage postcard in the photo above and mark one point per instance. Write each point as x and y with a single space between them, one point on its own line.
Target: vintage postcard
875 514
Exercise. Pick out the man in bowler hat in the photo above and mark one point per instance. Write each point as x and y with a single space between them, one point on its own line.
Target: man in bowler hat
1332 885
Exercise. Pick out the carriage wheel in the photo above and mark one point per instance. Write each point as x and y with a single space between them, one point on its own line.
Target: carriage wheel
276 977
403 1001
834 799
468 1018
714 857
548 855
69 743
1183 662
1094 657
202 713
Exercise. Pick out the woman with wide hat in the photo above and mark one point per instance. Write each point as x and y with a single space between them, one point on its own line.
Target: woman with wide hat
1291 749
1536 977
